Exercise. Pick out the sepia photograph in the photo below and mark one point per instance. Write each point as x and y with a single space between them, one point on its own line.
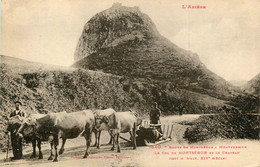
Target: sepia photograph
130 83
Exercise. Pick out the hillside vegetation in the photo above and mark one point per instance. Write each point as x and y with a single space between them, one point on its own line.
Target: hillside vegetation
228 125
44 88
61 88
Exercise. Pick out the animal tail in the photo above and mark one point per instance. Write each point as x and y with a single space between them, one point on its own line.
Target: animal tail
134 136
82 133
135 127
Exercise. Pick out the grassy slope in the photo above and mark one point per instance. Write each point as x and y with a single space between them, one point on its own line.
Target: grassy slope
44 88
160 60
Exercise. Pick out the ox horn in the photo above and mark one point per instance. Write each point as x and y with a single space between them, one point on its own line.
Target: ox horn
20 118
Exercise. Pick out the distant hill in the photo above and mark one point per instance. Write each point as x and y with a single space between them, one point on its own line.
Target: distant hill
238 83
124 41
253 86
17 65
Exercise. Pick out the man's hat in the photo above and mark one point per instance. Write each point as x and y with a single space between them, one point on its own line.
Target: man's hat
18 102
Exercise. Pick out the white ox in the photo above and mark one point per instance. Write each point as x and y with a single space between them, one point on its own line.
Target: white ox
119 122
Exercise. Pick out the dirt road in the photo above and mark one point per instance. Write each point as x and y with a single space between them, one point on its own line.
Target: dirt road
145 156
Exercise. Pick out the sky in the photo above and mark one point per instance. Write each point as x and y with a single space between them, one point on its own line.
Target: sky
225 35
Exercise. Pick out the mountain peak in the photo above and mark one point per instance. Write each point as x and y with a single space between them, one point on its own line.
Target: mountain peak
112 27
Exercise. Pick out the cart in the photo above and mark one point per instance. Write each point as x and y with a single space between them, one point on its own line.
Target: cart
166 131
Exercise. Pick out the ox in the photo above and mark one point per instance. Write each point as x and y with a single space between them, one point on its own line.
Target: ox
66 126
119 122
97 132
15 125
28 133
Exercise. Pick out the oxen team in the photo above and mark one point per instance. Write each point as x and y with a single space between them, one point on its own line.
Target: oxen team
53 126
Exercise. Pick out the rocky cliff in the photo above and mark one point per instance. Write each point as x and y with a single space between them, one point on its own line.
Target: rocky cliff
112 27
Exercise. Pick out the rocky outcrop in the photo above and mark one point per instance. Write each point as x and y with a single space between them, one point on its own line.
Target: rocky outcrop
112 27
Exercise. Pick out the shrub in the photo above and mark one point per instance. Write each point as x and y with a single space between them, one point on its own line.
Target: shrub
32 80
231 125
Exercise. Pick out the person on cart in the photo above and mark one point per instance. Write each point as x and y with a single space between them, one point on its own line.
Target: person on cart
155 115
16 140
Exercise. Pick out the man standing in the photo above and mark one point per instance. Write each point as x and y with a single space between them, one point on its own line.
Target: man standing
15 139
155 118
155 114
